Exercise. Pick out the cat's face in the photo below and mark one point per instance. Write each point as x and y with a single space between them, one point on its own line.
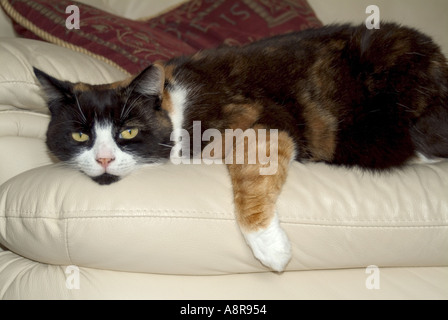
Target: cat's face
106 131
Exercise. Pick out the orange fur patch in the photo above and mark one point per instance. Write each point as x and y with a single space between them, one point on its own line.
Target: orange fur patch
241 116
320 108
255 195
121 84
81 86
198 56
167 103
320 130
168 71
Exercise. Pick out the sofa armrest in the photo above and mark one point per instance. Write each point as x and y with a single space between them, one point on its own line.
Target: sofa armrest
22 141
179 219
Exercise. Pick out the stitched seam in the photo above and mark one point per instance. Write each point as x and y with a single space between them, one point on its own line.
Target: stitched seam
112 211
19 82
232 219
361 226
120 217
66 242
305 220
215 214
26 112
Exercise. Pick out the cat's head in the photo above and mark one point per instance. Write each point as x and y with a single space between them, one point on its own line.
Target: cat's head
106 131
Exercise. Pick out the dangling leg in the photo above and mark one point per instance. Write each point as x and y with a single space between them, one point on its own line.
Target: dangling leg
256 188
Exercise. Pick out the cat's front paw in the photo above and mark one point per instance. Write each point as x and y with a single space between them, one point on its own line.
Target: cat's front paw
271 246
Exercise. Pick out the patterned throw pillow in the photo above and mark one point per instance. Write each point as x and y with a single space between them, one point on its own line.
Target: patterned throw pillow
131 45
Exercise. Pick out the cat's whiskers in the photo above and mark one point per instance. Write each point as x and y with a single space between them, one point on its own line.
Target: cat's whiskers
416 53
131 90
165 145
125 114
203 104
64 123
422 92
152 161
132 106
194 95
81 113
193 91
406 108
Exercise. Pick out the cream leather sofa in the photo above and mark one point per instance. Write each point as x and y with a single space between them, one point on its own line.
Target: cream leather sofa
169 232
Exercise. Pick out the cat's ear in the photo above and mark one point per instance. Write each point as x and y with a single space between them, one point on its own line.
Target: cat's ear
150 81
55 90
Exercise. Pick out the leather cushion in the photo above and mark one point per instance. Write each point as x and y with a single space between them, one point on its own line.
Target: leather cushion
179 219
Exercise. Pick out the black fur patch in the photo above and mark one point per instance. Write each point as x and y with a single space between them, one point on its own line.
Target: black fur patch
347 95
78 107
106 179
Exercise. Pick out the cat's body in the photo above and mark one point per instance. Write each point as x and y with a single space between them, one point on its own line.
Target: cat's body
343 95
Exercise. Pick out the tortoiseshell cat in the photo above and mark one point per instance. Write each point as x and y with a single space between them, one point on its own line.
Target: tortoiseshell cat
340 94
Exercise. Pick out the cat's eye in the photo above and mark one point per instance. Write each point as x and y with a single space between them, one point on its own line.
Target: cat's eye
80 137
129 133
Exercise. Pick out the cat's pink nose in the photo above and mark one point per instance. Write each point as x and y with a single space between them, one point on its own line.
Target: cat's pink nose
104 162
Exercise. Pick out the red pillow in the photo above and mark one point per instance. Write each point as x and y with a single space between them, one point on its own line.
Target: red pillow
132 45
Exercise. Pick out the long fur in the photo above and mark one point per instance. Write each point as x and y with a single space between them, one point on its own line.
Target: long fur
340 94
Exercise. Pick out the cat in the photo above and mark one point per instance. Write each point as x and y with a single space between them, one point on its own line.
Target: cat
340 94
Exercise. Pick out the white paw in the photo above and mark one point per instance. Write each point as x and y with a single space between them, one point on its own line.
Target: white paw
271 246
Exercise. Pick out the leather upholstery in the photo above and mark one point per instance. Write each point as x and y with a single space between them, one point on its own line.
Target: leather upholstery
169 232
